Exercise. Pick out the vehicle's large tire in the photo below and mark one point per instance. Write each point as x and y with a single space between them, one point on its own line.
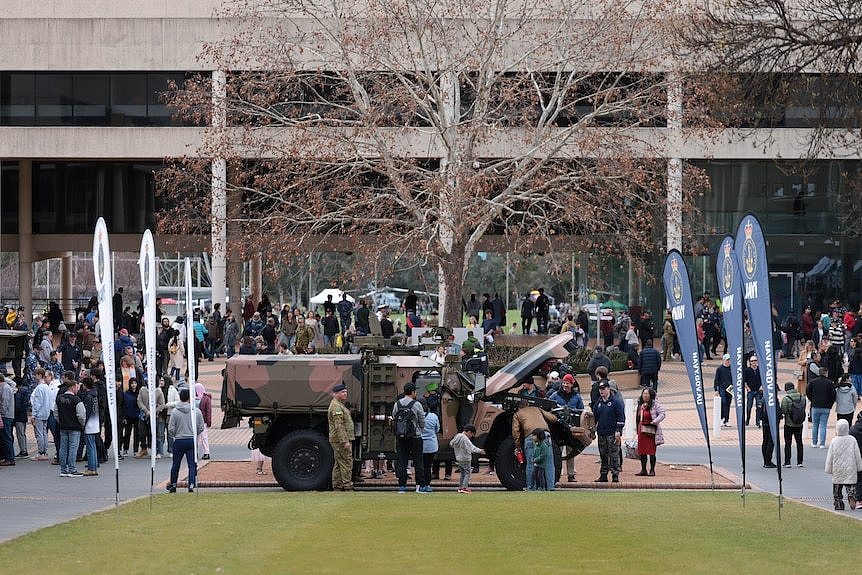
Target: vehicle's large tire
513 475
302 461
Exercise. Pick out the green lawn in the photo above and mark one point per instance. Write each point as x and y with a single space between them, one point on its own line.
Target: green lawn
376 533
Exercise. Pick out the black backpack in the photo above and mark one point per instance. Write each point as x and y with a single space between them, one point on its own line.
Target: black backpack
797 411
405 421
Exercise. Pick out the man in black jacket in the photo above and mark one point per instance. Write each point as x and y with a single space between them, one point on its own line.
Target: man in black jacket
542 311
526 314
821 393
610 419
330 328
754 390
650 365
722 383
71 416
599 359
163 340
70 353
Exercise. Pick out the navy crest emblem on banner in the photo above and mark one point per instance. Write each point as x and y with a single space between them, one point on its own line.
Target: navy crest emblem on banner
749 252
676 280
727 265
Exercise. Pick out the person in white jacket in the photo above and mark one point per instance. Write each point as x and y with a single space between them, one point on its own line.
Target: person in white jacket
843 462
41 401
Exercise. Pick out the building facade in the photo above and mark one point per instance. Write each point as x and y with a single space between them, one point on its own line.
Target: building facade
84 127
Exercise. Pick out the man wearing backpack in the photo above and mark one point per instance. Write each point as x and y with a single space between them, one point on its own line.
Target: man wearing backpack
793 411
408 421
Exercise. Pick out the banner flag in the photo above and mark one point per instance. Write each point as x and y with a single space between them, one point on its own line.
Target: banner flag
679 302
147 265
730 292
191 352
751 258
105 292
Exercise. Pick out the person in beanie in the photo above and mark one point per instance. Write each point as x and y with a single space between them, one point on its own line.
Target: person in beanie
845 399
540 460
792 429
843 462
569 395
180 428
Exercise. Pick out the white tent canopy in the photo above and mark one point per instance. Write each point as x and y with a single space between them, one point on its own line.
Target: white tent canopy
335 293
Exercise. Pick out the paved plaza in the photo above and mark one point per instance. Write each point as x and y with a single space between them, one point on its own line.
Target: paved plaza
32 495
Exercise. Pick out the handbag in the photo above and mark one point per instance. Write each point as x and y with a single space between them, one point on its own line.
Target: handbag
648 429
631 450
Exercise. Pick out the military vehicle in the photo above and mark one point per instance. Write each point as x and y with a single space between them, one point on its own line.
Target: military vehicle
286 398
13 348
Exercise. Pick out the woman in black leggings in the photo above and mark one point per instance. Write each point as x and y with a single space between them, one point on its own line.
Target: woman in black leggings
131 415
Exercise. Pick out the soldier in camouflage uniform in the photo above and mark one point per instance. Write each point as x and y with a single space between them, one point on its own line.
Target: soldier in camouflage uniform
340 437
304 335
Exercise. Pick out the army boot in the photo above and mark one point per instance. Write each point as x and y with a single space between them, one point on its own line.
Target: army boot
356 476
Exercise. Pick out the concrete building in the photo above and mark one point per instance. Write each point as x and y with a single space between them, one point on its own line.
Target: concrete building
82 129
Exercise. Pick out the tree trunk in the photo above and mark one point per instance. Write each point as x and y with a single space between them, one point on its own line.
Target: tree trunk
451 287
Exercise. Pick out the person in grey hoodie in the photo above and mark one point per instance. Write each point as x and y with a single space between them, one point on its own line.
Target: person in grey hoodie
180 428
845 399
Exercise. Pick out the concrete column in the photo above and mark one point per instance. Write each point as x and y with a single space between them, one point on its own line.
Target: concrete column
219 196
254 280
26 255
66 303
674 167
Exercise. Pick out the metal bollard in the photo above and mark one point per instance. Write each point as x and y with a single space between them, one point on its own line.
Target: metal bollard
629 429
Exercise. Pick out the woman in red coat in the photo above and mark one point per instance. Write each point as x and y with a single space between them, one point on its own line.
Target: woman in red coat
650 414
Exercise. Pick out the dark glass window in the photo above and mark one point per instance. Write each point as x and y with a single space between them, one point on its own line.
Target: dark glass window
90 92
8 197
17 98
128 99
784 100
86 98
54 99
68 197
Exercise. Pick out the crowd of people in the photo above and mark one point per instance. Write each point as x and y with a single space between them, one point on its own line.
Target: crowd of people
60 390
59 387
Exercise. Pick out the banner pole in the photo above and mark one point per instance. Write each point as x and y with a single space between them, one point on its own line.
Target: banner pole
681 306
103 275
149 284
753 264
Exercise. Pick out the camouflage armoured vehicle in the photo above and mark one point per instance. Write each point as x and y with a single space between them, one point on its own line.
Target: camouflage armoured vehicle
286 398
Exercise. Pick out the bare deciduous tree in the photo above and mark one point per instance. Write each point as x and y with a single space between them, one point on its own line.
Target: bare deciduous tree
787 63
425 128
